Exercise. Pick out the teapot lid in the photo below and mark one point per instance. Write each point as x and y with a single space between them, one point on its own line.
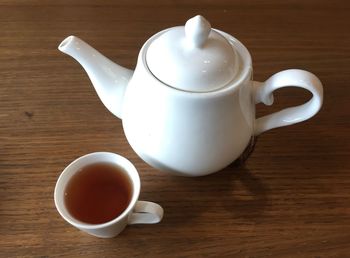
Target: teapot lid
193 57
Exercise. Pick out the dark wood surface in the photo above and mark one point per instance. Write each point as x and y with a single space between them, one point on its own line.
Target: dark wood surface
290 199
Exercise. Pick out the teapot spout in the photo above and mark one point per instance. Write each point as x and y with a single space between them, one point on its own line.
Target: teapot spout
109 79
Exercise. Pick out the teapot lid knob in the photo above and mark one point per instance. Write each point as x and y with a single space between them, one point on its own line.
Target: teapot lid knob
197 30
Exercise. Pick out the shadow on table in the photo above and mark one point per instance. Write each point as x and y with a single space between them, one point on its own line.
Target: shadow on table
250 200
233 193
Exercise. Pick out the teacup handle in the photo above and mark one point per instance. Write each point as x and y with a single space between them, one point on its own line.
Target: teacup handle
146 213
288 78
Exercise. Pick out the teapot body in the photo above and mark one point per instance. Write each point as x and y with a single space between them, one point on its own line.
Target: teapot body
188 133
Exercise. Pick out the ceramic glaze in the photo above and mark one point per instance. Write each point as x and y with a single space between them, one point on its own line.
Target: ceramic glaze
191 125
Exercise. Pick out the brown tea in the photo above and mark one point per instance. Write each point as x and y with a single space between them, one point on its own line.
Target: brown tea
98 193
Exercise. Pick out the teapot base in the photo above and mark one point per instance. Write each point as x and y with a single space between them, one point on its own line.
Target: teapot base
239 162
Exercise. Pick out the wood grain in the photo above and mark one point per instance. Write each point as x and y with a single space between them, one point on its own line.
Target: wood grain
290 199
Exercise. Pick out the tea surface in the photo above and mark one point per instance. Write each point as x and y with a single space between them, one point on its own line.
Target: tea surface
98 193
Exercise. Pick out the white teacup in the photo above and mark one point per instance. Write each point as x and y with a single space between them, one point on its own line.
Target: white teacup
137 212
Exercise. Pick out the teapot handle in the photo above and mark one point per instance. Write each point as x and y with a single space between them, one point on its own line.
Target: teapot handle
263 92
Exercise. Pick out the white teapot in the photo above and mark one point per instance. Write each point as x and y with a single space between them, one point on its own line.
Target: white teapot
189 106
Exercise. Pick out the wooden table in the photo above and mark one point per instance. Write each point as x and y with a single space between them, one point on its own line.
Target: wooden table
290 199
